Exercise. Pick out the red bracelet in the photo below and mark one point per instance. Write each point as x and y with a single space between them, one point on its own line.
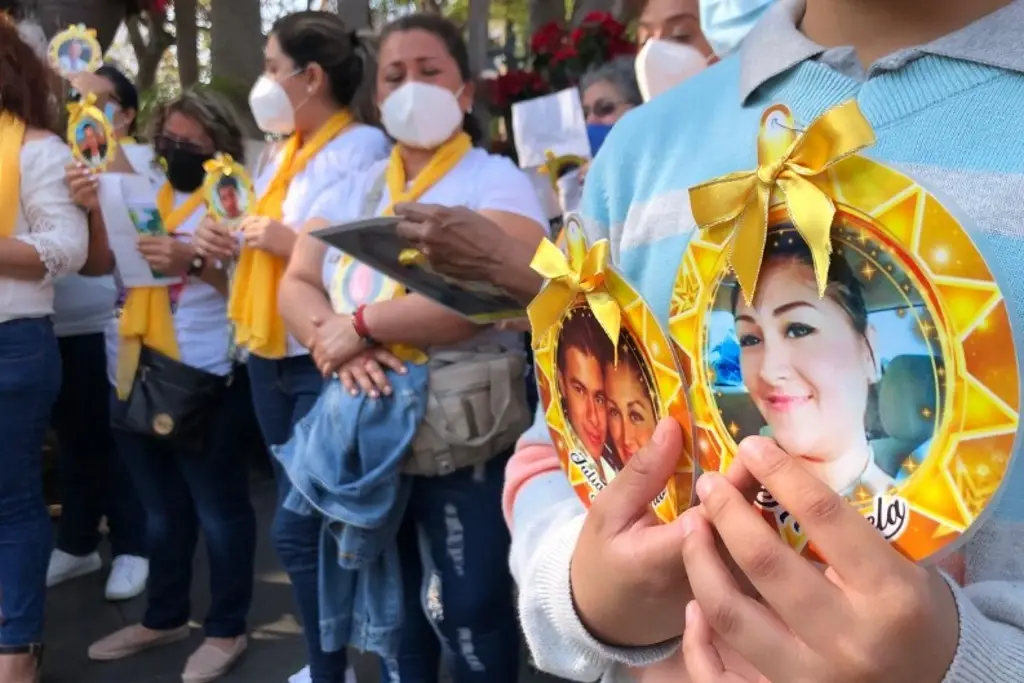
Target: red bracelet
359 324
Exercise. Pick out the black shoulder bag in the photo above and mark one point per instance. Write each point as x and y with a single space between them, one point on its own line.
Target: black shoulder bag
170 400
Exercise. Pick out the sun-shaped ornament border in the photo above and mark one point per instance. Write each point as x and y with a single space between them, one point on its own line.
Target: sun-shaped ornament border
954 484
671 396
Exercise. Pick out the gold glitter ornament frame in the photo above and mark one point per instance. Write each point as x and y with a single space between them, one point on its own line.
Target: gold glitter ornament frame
906 235
85 38
83 116
227 181
651 353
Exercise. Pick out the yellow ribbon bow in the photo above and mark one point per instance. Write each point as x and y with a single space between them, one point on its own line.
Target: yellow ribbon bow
567 278
81 107
221 164
739 202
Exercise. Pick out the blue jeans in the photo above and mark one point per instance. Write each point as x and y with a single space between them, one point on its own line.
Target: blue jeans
453 545
93 480
283 391
185 490
29 384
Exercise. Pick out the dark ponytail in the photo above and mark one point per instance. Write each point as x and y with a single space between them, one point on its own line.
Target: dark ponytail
451 36
321 37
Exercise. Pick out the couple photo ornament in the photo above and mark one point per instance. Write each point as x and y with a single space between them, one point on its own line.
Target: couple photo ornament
834 305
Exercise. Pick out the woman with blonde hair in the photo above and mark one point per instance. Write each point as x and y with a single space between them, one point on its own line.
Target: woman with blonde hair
177 413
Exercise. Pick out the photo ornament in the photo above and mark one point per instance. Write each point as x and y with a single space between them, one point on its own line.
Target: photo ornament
90 134
606 371
227 189
75 50
844 312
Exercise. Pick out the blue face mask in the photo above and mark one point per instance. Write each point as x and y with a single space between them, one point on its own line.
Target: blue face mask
596 133
725 23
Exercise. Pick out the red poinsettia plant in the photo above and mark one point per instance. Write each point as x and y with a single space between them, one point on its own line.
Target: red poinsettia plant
515 86
560 57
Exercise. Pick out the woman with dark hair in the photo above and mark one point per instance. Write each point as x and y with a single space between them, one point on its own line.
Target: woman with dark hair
808 364
43 236
310 92
632 409
176 412
122 105
452 545
93 481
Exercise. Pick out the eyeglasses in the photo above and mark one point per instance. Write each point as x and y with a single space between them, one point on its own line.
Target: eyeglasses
167 143
601 108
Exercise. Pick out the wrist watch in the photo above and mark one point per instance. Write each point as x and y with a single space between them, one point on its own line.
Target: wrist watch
195 267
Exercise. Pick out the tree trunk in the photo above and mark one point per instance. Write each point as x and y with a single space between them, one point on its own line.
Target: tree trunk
236 52
584 7
355 14
187 40
149 48
545 11
56 15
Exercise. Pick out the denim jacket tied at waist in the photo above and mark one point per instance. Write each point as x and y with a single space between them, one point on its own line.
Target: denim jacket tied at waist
344 462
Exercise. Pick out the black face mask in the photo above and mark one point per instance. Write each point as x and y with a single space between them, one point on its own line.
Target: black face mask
185 168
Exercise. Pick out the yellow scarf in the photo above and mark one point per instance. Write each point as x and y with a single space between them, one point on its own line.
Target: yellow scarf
146 317
127 140
12 135
444 160
253 303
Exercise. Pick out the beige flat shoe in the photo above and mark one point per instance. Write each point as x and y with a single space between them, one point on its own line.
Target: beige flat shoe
210 661
132 640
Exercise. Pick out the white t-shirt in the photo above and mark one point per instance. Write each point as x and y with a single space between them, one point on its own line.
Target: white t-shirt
480 181
200 315
327 176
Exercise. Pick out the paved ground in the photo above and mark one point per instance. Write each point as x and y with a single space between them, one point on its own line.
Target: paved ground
77 614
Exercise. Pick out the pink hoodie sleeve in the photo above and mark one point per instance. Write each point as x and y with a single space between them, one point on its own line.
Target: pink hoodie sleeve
528 462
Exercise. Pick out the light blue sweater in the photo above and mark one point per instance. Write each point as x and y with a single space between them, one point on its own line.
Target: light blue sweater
950 115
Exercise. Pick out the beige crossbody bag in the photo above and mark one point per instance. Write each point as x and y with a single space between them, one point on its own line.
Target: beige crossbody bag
476 404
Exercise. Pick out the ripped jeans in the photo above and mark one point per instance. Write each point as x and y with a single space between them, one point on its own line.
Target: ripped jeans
459 606
454 549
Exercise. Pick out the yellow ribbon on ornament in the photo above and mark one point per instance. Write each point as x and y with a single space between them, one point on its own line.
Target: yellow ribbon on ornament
739 202
81 106
12 136
568 277
252 306
220 163
146 319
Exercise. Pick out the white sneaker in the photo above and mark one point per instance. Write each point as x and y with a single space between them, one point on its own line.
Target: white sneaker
64 566
304 677
128 575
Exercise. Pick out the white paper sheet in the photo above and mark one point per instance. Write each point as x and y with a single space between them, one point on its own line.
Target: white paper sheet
120 194
553 122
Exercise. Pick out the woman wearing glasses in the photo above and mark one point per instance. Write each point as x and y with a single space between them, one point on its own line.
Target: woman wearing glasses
184 453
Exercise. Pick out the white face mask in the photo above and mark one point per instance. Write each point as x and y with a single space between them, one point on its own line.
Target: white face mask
421 115
271 107
664 64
